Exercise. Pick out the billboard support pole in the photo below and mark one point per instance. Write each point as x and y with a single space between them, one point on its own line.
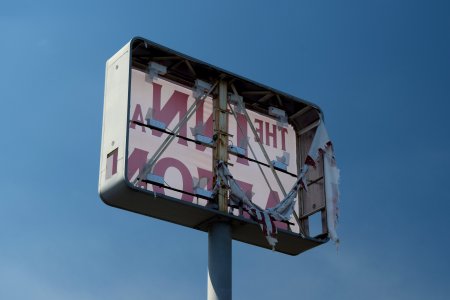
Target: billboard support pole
219 261
219 234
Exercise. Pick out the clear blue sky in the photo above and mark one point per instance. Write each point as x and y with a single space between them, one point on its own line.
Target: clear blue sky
380 70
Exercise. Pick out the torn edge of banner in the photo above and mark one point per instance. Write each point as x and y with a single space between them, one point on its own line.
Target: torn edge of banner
321 146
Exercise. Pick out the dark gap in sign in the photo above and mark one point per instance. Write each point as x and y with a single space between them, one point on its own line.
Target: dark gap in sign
315 224
111 163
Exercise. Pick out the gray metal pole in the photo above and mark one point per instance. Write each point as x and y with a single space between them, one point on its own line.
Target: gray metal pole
219 261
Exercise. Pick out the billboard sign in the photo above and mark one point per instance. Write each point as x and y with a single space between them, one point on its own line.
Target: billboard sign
158 141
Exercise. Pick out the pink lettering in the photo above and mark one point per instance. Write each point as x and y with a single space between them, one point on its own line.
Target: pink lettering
247 188
160 169
273 200
207 126
260 126
272 134
202 173
242 137
259 130
136 162
177 104
283 138
137 116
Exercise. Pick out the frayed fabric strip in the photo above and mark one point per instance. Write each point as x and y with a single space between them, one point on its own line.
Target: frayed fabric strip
321 146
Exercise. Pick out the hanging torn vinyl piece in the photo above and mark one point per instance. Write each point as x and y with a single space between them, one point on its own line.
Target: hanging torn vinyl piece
239 198
320 147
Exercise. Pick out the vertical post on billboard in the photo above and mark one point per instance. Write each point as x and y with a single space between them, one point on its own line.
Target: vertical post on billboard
220 151
219 234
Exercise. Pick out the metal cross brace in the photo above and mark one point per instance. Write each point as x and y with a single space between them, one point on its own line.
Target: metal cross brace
297 219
